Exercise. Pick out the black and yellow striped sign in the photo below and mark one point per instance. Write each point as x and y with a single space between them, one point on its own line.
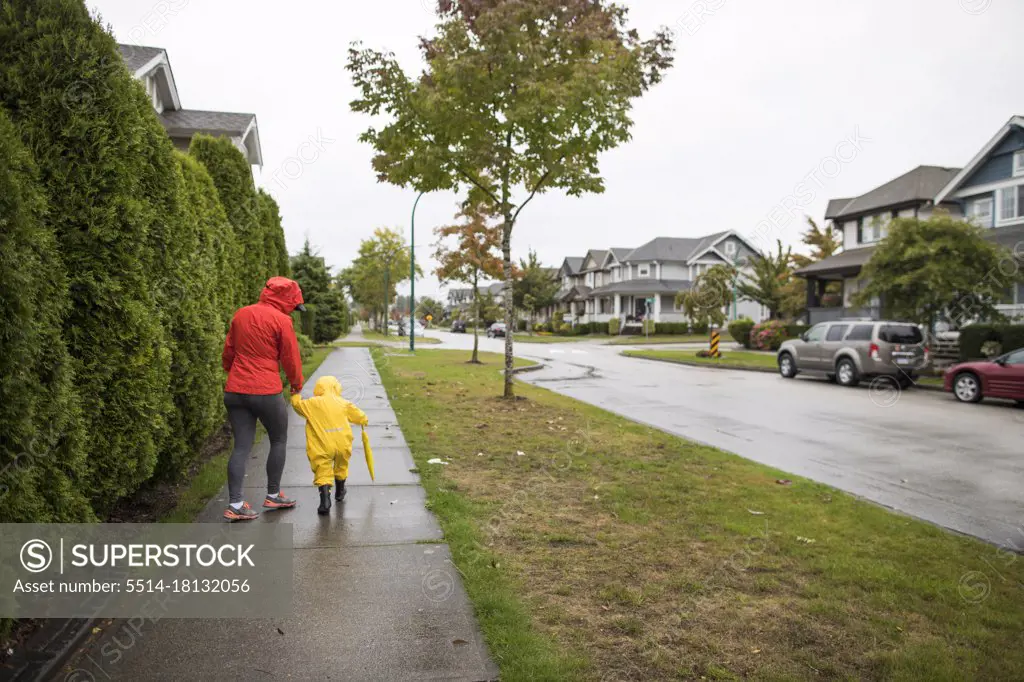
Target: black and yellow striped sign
715 339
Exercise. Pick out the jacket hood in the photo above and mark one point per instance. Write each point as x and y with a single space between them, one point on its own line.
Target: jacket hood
327 386
282 293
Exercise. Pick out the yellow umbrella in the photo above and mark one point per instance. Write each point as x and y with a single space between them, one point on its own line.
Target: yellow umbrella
369 454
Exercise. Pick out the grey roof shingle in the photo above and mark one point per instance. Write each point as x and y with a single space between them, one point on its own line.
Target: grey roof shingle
188 121
853 259
921 184
672 248
137 56
835 207
643 286
574 263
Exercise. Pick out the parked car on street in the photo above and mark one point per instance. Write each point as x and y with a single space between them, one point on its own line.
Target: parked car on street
495 330
847 351
1001 377
459 327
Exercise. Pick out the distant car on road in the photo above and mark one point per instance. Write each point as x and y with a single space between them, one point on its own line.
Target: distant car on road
847 351
1001 377
459 327
495 330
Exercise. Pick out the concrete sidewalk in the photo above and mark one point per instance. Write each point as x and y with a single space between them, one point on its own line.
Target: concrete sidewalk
376 594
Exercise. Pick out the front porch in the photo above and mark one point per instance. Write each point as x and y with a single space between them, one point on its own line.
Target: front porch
832 284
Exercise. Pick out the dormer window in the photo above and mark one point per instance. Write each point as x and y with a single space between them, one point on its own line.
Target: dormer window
730 249
1018 163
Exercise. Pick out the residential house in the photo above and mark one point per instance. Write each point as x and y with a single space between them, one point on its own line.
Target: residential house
863 222
642 283
459 299
572 293
152 66
989 191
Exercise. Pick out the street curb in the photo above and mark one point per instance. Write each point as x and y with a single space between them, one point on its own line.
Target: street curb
48 650
763 370
529 368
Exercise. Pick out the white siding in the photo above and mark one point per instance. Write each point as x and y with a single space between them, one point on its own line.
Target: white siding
907 213
850 234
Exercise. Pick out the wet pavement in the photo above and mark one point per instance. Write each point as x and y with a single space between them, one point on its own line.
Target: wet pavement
919 452
376 594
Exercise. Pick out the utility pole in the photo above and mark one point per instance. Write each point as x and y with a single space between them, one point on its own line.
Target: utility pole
412 276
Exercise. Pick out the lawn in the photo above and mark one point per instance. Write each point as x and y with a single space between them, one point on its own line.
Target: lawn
597 548
377 336
634 340
212 475
523 337
730 359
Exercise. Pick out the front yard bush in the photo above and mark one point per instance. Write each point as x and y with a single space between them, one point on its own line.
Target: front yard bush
305 345
699 328
614 325
974 337
740 330
672 328
768 335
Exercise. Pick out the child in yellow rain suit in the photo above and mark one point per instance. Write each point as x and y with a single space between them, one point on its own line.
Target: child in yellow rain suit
328 436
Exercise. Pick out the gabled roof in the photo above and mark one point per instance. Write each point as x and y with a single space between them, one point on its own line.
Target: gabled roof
572 264
595 255
979 158
674 248
614 254
145 61
137 56
920 184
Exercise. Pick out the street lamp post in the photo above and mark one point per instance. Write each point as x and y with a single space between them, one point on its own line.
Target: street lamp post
412 276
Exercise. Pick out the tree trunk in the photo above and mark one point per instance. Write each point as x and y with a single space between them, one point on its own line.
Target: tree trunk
476 321
506 252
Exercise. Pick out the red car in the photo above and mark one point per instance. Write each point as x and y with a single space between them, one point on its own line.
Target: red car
1001 377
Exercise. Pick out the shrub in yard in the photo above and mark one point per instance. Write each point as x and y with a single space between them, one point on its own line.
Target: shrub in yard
614 325
768 335
795 331
331 313
974 337
42 460
90 126
740 330
699 328
233 178
305 345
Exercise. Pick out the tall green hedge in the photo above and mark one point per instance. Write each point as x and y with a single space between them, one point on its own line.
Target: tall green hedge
233 178
89 126
42 463
275 250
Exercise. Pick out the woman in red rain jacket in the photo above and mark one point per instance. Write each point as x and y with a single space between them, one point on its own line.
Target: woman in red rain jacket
261 339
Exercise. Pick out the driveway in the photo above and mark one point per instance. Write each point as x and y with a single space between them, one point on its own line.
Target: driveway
920 452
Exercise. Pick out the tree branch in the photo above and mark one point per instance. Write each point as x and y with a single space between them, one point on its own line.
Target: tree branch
536 188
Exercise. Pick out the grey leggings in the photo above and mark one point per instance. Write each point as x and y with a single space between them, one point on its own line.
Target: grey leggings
243 411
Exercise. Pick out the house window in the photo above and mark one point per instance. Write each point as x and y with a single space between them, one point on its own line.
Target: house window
643 271
1011 203
980 210
730 249
871 230
1018 163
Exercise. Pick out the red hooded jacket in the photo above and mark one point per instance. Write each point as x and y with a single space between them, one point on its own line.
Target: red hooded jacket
261 336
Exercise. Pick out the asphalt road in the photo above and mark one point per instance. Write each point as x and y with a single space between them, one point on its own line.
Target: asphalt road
920 452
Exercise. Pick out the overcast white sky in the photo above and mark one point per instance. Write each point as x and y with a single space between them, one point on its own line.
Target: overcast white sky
761 94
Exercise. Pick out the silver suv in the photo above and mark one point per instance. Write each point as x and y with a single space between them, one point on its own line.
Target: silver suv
847 351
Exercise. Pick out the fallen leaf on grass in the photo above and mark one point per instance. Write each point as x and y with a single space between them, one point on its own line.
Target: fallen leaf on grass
784 481
481 426
806 541
435 460
520 453
755 513
755 651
